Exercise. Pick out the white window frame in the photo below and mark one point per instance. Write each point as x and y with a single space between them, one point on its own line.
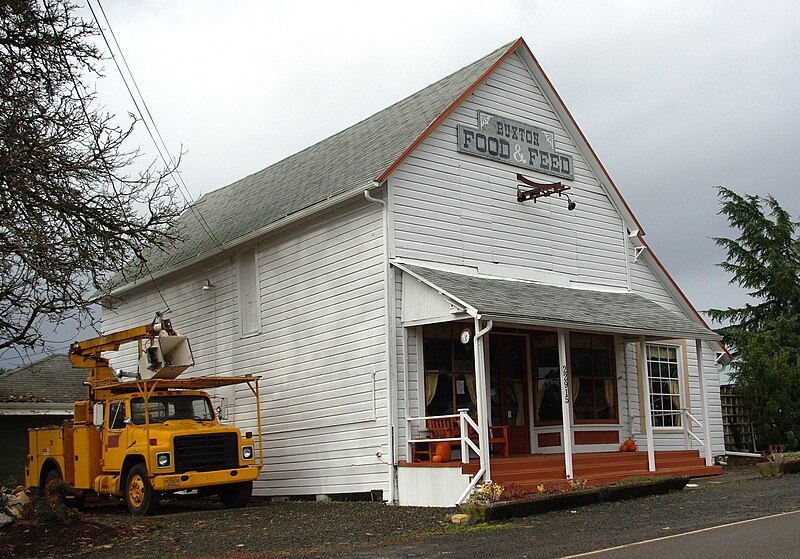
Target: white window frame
249 293
681 385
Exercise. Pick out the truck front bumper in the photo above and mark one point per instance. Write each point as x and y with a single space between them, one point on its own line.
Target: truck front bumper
193 480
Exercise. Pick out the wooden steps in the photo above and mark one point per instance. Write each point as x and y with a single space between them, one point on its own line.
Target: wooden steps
599 468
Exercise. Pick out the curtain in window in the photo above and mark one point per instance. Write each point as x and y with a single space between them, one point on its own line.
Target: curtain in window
576 388
520 398
431 381
676 400
471 390
609 390
539 396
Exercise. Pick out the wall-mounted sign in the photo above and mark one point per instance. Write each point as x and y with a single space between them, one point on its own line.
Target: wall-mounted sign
516 143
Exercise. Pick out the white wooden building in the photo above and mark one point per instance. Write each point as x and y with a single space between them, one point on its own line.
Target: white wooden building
347 274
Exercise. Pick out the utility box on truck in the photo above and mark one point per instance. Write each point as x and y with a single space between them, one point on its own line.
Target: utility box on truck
147 435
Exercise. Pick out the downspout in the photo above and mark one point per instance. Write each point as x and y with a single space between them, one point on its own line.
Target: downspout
406 399
388 288
483 400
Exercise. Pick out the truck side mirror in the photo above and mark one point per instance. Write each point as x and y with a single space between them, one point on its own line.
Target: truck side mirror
97 415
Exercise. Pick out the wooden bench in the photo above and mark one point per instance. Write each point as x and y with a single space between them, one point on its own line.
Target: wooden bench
437 429
448 429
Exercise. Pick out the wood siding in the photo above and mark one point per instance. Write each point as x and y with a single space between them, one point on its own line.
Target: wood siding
453 208
320 349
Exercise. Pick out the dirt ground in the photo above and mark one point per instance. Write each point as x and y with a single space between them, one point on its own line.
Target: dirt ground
202 528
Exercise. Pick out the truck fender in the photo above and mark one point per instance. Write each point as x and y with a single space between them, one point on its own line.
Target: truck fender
130 462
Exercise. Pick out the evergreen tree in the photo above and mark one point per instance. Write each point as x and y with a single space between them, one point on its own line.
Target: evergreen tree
765 260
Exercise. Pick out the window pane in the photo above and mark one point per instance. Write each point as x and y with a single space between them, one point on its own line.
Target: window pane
464 357
442 402
438 356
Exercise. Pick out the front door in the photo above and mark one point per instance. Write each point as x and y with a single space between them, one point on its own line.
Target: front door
508 388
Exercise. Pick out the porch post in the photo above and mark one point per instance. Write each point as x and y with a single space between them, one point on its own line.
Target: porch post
483 400
648 417
704 403
565 413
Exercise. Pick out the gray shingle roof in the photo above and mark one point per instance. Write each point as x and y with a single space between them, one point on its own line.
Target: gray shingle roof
350 159
546 305
51 379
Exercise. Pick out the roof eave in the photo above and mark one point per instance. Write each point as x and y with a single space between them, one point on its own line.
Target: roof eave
285 221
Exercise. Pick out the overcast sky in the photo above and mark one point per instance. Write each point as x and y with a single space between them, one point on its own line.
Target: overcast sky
674 97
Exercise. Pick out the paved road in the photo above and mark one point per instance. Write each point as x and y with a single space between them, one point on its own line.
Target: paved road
753 518
773 536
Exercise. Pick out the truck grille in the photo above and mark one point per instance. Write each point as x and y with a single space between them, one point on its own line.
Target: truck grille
203 453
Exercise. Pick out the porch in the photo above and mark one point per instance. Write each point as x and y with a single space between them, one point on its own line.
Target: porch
429 484
597 468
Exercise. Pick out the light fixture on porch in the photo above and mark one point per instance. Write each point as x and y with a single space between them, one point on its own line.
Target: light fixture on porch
541 190
208 286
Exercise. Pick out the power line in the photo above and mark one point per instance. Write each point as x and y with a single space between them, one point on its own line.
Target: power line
179 181
82 99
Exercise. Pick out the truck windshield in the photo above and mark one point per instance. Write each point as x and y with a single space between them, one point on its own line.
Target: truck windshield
166 408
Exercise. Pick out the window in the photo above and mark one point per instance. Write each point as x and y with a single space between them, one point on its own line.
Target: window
249 307
168 408
665 394
594 381
116 415
449 371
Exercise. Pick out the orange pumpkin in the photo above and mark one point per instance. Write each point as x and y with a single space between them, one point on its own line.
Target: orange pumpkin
436 458
442 450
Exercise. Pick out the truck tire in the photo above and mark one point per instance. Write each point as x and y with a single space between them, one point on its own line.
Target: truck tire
52 475
140 496
68 496
236 495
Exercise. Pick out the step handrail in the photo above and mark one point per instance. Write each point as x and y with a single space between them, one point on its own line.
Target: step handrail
695 421
464 422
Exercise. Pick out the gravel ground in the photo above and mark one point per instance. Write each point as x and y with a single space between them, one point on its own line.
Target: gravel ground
202 528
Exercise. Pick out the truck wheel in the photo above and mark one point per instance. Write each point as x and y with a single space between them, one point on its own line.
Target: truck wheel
236 495
139 494
51 482
53 486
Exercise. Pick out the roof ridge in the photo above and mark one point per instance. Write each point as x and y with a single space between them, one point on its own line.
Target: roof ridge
346 160
361 122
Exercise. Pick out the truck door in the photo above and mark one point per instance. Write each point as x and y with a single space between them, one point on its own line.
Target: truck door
115 436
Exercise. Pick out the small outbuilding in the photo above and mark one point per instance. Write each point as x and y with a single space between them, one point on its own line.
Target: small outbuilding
41 393
458 266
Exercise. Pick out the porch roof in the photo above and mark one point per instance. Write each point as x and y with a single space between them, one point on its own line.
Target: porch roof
537 304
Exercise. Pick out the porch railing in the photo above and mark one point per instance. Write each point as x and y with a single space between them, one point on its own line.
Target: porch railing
467 444
687 432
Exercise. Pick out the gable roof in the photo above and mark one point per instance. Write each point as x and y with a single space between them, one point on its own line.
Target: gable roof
51 379
351 160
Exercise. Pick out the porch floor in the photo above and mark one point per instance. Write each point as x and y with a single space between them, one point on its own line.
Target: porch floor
597 468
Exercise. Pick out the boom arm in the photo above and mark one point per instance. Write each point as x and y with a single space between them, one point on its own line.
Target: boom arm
88 353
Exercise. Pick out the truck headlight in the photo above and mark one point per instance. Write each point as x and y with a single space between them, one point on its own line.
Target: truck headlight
163 460
247 453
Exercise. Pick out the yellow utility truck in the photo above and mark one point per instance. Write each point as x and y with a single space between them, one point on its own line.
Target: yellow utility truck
141 434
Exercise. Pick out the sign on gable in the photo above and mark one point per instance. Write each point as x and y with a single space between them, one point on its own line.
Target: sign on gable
516 143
